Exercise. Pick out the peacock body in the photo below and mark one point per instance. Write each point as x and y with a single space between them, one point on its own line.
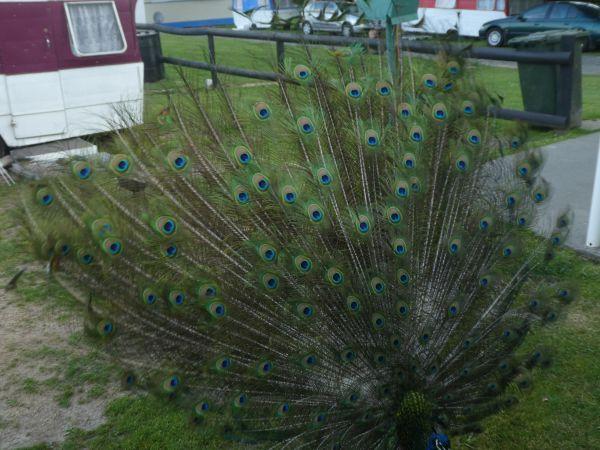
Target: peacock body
340 263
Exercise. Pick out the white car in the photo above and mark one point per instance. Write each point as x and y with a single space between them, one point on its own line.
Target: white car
335 17
266 16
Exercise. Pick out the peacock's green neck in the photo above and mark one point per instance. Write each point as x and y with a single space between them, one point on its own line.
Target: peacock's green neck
413 420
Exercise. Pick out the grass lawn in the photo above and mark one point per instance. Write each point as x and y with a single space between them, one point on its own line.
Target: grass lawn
560 412
259 55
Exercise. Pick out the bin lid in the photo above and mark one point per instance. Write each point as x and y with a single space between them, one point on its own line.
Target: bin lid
547 37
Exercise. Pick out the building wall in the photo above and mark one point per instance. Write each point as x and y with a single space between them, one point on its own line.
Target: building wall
514 6
34 37
189 12
47 92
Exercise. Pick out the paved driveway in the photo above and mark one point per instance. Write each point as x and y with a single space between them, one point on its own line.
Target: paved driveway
569 168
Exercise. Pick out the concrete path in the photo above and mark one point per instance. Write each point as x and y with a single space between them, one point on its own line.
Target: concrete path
569 168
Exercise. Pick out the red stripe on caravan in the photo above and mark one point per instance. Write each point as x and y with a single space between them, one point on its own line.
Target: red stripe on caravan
459 4
466 4
427 4
34 37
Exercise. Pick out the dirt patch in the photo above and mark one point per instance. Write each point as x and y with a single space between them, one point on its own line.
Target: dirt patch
580 320
52 380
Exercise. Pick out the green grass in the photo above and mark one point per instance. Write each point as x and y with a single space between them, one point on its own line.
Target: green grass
72 368
67 373
70 373
562 409
505 83
258 55
145 422
30 386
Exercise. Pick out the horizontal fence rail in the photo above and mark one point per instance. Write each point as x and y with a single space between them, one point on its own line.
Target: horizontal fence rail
563 59
268 76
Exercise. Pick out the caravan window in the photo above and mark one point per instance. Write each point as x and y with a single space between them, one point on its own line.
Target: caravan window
94 28
491 5
486 5
445 4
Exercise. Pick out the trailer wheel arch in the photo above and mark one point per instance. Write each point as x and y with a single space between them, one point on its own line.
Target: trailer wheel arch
4 149
452 33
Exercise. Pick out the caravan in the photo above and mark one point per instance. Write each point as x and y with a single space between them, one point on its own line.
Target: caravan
462 17
67 68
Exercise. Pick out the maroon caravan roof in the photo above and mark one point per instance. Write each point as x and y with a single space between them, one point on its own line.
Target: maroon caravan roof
34 38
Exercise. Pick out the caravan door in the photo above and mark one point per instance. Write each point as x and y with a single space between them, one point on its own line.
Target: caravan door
441 19
31 82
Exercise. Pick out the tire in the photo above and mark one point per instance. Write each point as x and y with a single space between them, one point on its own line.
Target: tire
494 37
253 27
307 28
347 30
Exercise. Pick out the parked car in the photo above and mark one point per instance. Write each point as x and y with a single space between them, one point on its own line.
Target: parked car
334 17
269 14
457 17
549 16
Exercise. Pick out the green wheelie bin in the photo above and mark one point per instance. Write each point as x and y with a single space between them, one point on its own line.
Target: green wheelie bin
544 87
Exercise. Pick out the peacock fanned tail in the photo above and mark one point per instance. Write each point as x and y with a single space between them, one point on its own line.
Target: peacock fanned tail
340 262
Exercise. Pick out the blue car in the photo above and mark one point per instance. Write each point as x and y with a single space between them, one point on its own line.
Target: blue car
549 16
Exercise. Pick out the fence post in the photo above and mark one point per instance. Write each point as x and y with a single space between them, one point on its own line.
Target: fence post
565 62
280 47
569 87
151 53
212 59
390 46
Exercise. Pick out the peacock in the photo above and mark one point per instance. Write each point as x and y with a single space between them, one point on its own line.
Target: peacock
339 260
